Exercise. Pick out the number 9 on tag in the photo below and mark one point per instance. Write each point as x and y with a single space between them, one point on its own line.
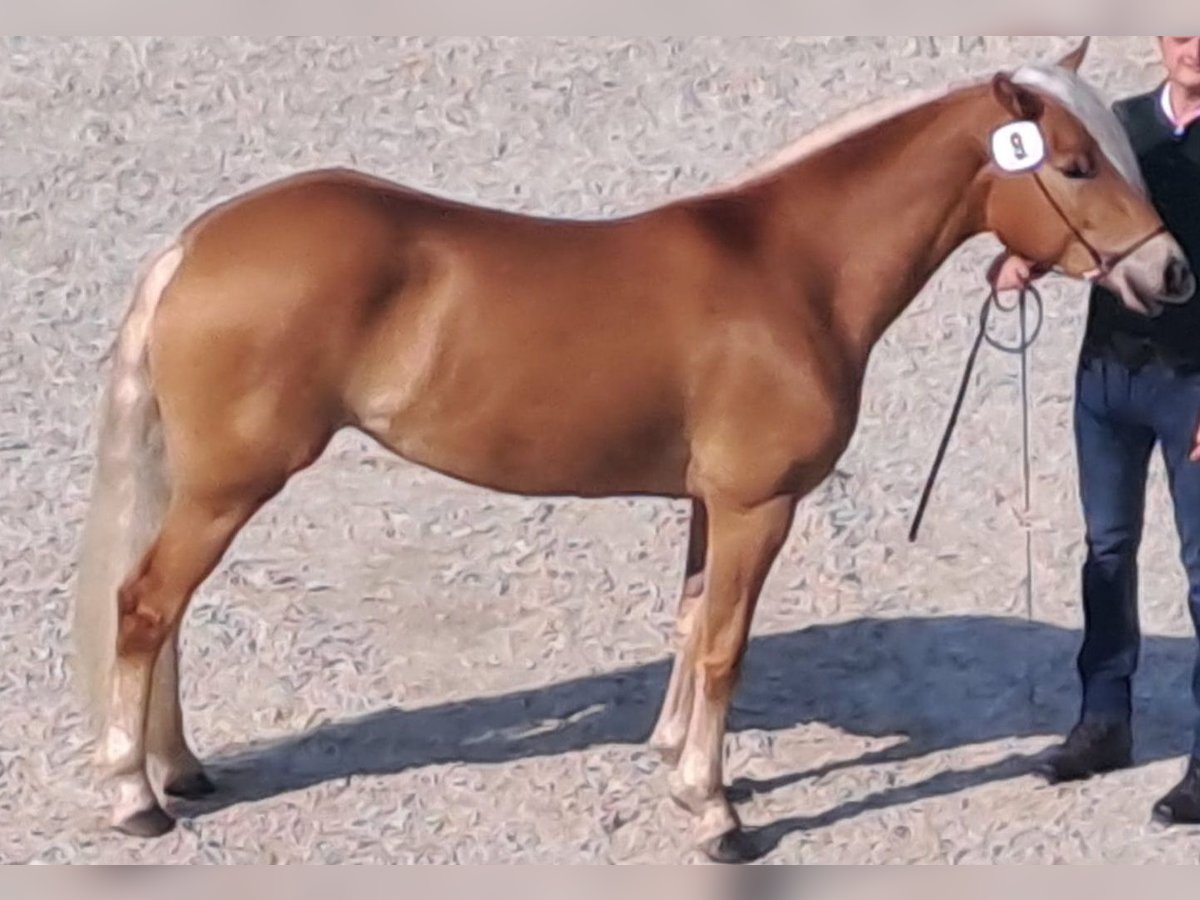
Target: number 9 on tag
1018 147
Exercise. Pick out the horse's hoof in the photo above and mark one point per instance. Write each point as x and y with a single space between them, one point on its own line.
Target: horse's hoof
194 786
146 823
732 847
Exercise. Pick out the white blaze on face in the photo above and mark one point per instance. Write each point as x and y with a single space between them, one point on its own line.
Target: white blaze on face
1018 147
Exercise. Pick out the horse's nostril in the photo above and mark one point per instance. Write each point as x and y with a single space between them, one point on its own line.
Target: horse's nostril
1176 277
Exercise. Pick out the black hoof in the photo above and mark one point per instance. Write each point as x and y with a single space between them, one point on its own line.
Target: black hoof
732 847
149 823
195 786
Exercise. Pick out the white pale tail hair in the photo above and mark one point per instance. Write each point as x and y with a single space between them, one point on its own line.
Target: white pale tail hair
130 487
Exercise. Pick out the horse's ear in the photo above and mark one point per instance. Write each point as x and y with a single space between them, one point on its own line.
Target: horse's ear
1073 60
1020 102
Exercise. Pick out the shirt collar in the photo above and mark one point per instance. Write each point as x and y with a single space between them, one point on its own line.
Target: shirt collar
1164 102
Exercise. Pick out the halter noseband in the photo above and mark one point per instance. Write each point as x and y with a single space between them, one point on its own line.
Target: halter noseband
1104 264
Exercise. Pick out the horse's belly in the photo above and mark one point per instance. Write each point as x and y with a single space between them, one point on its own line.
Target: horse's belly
569 445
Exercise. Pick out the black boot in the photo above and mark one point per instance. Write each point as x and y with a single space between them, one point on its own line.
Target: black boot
1181 805
1092 747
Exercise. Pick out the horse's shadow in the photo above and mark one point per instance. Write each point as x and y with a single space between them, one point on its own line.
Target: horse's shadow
936 683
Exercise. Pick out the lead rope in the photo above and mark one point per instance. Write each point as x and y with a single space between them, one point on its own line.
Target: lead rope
1020 348
1025 467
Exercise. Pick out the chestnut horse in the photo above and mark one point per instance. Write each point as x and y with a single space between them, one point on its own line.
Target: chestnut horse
712 348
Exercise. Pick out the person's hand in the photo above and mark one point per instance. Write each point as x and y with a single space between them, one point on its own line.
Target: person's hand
1009 272
1194 456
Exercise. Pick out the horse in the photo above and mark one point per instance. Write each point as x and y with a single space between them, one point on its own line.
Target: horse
710 349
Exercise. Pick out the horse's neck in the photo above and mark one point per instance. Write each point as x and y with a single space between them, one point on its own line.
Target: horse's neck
883 210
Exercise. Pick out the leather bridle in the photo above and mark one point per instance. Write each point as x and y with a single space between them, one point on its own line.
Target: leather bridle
1105 263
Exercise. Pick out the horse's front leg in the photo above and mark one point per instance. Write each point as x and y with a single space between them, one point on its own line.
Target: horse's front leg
743 544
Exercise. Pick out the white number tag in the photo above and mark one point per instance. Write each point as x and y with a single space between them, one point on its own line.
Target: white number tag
1018 147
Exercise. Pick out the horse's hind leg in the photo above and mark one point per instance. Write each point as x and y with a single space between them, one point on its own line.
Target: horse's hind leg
170 762
671 730
197 530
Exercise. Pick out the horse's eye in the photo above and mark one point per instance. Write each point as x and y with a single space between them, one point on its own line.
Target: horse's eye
1079 169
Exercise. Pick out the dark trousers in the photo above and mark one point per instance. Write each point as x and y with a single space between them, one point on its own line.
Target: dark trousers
1121 413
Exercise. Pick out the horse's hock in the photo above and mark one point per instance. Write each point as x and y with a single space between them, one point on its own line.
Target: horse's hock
392 666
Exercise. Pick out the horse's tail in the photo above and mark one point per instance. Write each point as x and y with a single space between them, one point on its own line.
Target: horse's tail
130 487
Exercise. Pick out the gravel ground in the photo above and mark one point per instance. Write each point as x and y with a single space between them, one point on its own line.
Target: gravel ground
391 666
